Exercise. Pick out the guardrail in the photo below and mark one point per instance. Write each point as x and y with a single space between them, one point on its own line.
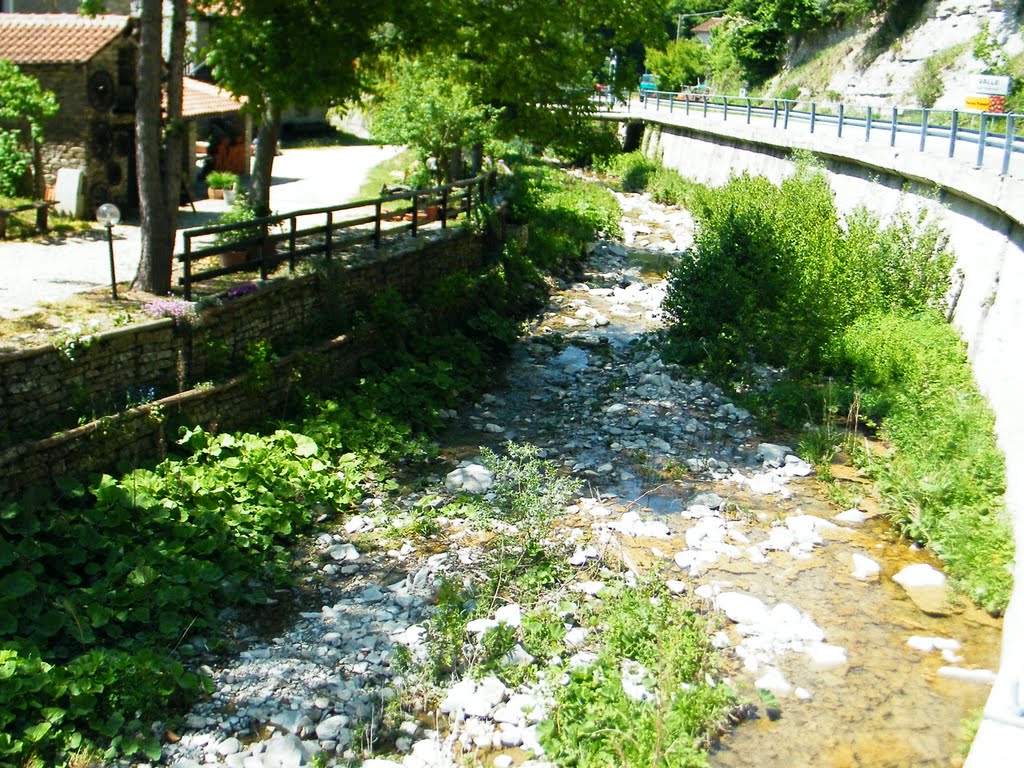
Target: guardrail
253 245
948 129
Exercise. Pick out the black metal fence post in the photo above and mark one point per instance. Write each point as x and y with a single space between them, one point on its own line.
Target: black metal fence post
186 268
329 244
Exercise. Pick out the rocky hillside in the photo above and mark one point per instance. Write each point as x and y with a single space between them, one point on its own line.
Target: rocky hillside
932 60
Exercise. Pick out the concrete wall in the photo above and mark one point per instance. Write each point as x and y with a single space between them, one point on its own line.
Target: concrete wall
986 228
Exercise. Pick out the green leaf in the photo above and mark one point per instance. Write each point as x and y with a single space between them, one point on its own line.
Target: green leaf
17 584
36 733
304 446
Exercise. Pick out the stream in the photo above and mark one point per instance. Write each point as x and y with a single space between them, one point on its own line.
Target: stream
862 675
845 666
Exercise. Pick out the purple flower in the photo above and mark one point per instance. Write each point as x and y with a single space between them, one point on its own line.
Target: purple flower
240 290
179 309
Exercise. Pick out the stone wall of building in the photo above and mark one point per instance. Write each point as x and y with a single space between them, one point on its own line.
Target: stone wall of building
85 385
100 141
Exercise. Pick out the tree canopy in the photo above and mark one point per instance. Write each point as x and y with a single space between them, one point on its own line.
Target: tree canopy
23 104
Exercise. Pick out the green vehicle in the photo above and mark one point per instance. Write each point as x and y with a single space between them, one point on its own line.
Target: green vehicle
647 86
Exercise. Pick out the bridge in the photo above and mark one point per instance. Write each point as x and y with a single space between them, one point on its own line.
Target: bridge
966 168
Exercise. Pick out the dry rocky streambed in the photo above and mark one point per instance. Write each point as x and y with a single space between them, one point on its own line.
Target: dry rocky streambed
861 670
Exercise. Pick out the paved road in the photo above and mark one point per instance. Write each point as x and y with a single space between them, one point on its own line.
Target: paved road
32 272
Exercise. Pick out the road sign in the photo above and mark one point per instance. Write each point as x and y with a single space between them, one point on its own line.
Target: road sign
987 103
991 85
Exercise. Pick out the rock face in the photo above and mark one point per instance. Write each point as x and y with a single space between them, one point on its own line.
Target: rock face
889 78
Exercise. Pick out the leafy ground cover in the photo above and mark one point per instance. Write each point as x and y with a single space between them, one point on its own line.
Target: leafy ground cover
108 589
853 322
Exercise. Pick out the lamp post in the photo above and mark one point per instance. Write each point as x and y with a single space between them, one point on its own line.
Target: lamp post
108 214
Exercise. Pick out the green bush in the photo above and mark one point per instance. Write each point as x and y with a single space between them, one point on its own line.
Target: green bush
14 164
633 169
774 278
947 479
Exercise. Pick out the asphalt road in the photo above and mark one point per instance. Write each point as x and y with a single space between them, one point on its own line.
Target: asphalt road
61 265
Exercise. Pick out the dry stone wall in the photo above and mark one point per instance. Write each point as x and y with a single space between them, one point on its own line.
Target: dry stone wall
62 407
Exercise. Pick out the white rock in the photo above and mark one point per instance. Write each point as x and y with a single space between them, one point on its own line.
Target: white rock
741 608
634 676
457 697
473 478
825 656
509 614
502 761
773 455
479 626
284 752
517 657
920 575
356 524
588 587
853 515
774 681
803 694
333 728
928 644
229 746
983 676
676 587
344 552
864 567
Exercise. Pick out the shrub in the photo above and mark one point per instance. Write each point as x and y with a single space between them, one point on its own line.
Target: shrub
773 277
633 169
947 480
14 164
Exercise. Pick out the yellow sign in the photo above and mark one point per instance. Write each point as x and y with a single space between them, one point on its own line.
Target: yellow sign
979 103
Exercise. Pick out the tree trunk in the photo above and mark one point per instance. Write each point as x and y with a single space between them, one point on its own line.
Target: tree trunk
38 177
154 272
176 130
477 158
263 163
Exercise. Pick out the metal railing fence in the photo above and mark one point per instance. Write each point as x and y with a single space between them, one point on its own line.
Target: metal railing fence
253 245
988 135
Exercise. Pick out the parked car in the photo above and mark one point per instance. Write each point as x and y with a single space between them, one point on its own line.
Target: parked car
647 85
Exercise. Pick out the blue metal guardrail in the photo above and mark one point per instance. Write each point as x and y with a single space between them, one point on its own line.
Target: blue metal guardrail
982 130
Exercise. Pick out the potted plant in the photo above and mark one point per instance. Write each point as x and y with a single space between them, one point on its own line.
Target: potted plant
218 181
239 213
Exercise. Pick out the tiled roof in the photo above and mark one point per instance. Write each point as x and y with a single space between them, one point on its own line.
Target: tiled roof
56 38
707 26
199 98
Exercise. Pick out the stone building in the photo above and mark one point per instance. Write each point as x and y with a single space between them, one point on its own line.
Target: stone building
89 64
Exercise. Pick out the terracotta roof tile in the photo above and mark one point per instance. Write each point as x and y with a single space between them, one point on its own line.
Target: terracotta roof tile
199 98
707 26
56 38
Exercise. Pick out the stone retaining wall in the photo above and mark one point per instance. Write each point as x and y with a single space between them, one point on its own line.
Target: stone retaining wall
84 387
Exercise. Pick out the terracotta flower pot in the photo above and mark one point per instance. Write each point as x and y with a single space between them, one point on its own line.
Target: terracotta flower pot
216 194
